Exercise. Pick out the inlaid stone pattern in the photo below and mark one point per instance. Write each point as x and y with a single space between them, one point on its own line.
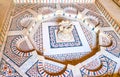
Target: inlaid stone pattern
6 70
95 64
23 46
105 41
38 39
12 53
21 7
107 68
38 7
76 6
88 36
89 6
37 70
15 23
102 21
115 47
54 44
68 56
52 67
33 71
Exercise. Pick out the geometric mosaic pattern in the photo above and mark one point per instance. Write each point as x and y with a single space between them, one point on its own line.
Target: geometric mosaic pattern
12 53
79 8
38 39
37 70
68 56
51 67
90 7
115 47
16 51
37 8
101 20
66 53
55 44
15 23
6 70
107 68
89 36
33 71
93 65
105 41
21 7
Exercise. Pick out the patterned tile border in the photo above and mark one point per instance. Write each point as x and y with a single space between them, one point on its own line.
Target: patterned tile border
15 56
39 72
68 56
12 53
52 67
38 39
107 69
89 36
115 47
53 40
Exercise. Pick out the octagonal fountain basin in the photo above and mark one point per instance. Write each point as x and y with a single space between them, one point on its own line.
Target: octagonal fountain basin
67 43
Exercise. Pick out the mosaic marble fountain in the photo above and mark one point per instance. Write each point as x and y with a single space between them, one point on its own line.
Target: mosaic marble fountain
40 43
62 36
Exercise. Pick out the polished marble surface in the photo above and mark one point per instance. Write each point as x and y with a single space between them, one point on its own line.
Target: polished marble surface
32 65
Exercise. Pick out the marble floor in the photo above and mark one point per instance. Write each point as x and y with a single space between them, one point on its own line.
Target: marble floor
25 49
